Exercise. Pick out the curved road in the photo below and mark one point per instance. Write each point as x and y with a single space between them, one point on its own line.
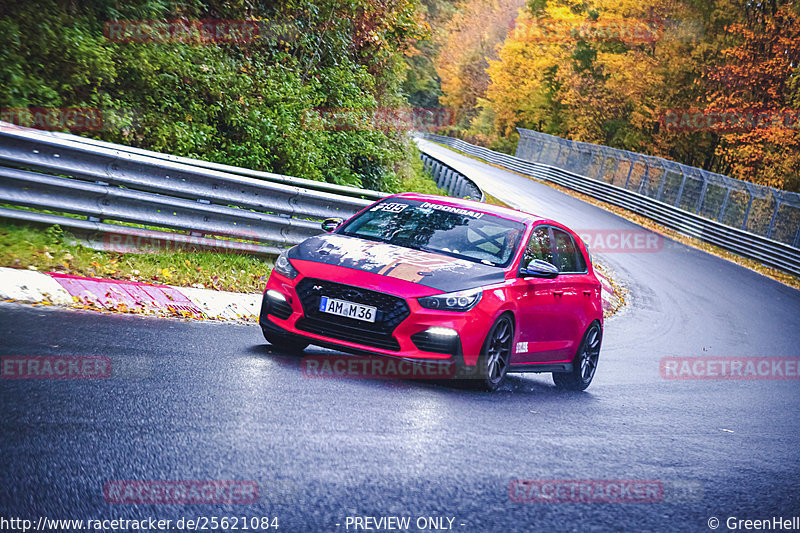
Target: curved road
213 401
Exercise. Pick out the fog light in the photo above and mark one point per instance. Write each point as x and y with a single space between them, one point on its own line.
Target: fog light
442 332
437 340
276 295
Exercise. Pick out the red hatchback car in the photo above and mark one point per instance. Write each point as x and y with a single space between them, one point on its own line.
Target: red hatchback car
429 278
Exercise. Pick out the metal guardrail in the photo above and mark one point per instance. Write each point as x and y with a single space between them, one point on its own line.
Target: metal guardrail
108 202
446 177
339 190
450 179
99 185
204 207
80 160
767 251
113 237
764 211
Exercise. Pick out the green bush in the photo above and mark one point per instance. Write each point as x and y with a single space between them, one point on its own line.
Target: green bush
270 103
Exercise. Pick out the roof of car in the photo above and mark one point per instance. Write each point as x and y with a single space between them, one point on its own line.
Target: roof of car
503 212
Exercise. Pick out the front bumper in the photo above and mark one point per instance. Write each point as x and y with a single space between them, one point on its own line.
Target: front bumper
404 331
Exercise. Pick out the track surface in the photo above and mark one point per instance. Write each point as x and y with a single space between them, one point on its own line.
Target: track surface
197 401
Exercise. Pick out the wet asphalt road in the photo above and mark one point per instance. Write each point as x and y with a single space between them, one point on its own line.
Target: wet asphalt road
212 401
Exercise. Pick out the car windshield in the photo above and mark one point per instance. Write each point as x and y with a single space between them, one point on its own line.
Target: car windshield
454 231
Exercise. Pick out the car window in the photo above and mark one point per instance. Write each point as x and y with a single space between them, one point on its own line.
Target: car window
567 255
539 246
433 227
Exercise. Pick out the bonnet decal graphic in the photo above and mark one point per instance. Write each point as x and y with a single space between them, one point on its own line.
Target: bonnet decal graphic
432 270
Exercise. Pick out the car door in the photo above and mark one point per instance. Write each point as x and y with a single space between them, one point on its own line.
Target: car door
572 290
539 310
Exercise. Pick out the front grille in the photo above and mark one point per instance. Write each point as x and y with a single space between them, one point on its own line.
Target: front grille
391 311
426 342
349 334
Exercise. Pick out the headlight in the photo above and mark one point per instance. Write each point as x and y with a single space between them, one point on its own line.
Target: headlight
284 267
452 301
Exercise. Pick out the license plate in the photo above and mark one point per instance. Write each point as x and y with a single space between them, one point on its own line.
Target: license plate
347 309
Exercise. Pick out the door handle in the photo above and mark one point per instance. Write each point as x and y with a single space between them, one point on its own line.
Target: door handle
587 293
558 293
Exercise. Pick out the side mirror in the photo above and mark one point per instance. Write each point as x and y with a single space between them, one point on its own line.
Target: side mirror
539 269
330 224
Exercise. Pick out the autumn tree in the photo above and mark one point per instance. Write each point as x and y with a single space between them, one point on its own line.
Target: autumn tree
422 86
609 71
471 39
588 71
759 83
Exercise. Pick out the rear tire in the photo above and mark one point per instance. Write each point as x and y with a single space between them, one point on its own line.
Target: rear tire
585 363
496 354
284 342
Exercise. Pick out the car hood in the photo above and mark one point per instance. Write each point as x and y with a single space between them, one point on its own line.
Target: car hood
438 271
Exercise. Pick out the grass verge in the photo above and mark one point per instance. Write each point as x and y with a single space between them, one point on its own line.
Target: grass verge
52 249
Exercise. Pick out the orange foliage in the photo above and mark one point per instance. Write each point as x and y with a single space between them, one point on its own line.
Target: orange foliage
472 36
760 76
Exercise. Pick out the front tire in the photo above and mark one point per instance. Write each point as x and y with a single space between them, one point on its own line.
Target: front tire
496 354
585 363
